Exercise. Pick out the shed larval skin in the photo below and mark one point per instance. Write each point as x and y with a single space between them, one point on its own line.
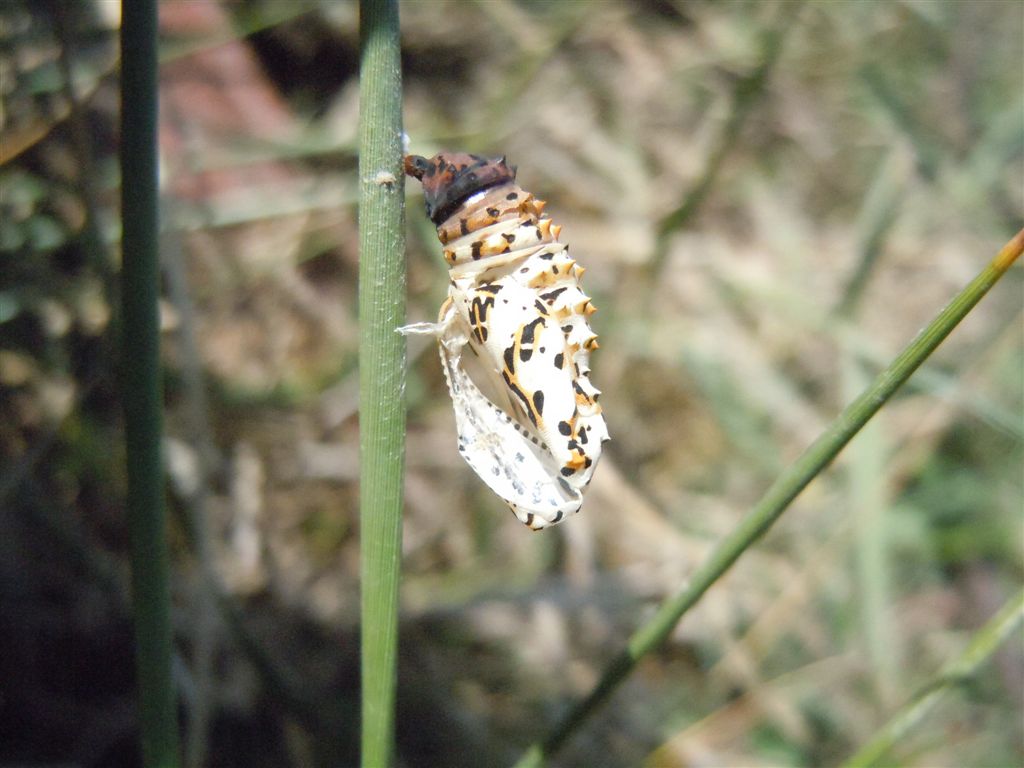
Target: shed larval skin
515 299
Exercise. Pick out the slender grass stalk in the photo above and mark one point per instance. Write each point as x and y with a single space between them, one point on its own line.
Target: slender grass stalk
867 491
197 421
744 95
915 130
381 368
868 499
879 212
141 383
775 500
984 643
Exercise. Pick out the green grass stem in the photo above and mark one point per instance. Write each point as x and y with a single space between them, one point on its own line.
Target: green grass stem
776 499
745 95
869 505
984 643
381 368
868 485
142 391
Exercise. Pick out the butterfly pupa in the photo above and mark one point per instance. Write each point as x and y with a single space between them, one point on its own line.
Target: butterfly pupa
527 416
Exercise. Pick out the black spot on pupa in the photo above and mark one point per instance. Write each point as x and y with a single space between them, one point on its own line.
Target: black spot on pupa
538 402
567 471
550 296
463 228
530 330
511 195
510 360
493 211
510 237
559 360
475 249
565 428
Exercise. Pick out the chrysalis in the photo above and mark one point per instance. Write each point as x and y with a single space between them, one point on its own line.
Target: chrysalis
528 418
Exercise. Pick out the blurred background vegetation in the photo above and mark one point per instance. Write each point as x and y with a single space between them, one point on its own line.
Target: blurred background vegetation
770 200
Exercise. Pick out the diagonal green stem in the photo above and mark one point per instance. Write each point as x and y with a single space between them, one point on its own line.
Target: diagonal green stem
984 643
774 502
142 392
381 368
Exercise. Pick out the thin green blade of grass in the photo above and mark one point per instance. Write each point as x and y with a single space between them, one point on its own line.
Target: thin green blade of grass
878 214
867 486
142 392
776 499
984 643
928 152
381 369
867 494
247 21
744 96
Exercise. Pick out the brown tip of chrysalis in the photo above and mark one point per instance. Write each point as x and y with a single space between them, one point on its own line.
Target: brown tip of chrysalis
416 166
